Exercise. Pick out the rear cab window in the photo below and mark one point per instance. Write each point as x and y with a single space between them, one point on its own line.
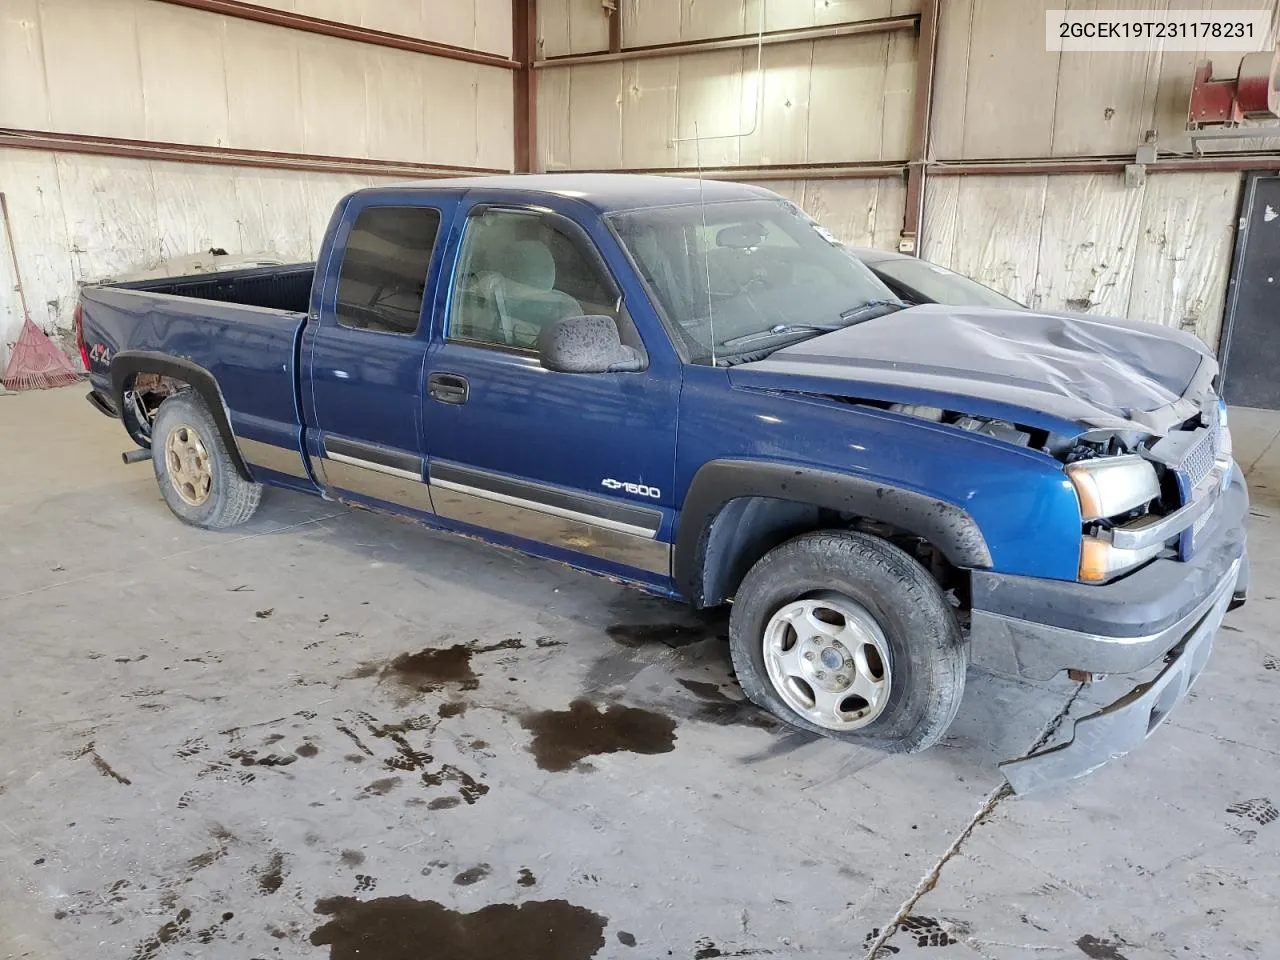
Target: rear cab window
383 277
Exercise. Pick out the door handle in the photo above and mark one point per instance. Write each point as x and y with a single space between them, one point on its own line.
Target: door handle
448 387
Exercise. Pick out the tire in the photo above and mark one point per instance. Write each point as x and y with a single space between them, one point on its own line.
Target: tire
892 611
186 446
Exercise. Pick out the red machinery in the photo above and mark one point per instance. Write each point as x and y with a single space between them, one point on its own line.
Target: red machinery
1253 94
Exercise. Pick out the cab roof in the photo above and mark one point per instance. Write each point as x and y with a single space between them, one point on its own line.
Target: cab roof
606 192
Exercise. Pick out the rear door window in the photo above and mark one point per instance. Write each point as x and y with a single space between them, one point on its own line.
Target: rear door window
384 269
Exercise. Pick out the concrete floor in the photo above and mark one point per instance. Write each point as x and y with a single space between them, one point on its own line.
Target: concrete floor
234 745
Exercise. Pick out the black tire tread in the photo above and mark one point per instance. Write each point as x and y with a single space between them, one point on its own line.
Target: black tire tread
858 554
235 499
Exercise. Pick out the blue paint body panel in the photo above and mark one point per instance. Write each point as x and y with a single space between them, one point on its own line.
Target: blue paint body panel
292 380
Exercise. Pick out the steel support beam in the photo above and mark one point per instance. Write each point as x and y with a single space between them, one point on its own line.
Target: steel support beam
769 38
889 170
615 26
225 156
917 169
1067 165
343 31
524 23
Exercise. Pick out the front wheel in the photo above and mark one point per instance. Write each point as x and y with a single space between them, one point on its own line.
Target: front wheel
196 475
845 635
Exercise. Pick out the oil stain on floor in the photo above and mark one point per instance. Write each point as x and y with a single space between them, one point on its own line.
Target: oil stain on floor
402 928
435 667
561 738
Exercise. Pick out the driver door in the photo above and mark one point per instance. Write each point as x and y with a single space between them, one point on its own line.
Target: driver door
575 466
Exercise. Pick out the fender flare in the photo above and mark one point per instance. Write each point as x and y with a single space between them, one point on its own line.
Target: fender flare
128 364
718 482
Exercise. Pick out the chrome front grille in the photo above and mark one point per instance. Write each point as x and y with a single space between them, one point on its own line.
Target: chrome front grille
1198 460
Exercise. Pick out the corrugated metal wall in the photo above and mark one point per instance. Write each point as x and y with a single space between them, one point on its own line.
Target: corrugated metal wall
144 70
1160 251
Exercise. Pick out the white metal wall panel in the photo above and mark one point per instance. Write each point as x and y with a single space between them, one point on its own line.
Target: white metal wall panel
24 102
1160 252
195 210
96 86
709 100
595 116
393 97
334 108
553 118
495 119
571 26
78 218
493 30
1000 94
862 213
777 105
143 70
1184 251
274 213
264 87
1088 241
31 187
476 24
1012 80
647 22
184 83
649 113
829 101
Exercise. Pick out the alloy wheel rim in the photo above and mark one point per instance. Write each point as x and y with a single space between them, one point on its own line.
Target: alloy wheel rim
829 661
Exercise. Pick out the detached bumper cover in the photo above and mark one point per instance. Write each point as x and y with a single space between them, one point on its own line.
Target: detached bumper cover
1116 730
1168 611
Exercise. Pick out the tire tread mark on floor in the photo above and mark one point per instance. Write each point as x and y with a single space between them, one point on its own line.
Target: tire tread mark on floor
993 800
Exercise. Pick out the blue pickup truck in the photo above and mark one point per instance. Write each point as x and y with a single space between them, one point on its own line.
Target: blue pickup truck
694 388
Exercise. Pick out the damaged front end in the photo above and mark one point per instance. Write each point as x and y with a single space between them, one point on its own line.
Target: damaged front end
1163 558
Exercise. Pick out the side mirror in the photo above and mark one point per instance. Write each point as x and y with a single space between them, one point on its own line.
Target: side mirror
586 345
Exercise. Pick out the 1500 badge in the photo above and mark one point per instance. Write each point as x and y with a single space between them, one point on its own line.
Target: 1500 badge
639 489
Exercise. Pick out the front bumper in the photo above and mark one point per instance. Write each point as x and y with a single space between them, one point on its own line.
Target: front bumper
1169 610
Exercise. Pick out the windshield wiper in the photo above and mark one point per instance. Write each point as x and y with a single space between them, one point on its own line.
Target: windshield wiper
865 311
781 330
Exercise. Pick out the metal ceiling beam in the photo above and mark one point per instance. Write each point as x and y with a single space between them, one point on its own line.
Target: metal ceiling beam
769 38
524 24
343 31
226 156
777 171
1066 165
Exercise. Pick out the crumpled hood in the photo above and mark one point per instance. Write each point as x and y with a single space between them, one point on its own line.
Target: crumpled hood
1048 369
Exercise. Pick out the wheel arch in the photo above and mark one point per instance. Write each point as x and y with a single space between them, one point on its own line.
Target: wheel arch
738 510
128 365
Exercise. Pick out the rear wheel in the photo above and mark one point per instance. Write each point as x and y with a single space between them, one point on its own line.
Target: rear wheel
196 475
845 635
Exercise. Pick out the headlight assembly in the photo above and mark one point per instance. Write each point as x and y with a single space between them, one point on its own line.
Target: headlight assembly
1110 486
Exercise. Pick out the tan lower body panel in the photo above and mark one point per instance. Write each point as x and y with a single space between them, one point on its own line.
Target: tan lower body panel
643 553
270 457
367 482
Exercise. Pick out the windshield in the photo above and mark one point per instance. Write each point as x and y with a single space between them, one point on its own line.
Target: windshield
922 280
736 278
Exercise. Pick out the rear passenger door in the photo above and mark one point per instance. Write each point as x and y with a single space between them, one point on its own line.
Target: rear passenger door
364 354
576 466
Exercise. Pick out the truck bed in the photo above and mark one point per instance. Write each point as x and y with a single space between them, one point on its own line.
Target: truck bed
242 327
271 288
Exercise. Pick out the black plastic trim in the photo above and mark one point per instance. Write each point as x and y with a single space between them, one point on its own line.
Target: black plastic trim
537 493
946 526
372 453
102 404
128 364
